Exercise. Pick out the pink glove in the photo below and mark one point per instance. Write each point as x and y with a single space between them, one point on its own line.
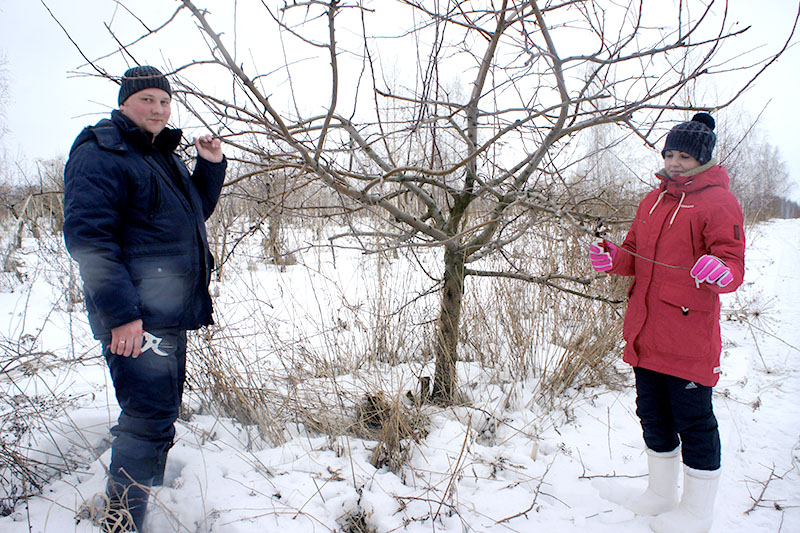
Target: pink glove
711 270
602 255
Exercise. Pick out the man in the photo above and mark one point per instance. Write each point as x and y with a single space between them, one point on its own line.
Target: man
135 223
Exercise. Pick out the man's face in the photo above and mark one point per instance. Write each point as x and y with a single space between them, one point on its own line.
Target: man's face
149 109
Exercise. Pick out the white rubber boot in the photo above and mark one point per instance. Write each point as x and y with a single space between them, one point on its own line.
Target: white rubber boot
696 510
662 486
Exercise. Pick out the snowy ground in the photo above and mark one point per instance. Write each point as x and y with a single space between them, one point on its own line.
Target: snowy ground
501 464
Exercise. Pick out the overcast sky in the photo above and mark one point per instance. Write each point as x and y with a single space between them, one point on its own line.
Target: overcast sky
47 107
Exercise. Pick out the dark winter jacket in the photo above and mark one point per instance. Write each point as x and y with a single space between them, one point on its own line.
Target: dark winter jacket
672 323
135 223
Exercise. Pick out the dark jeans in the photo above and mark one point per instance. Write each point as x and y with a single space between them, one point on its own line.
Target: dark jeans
675 411
148 390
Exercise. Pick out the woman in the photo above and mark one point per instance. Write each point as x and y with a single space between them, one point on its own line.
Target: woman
685 247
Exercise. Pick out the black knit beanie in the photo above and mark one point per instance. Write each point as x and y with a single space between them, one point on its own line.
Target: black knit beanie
139 78
695 138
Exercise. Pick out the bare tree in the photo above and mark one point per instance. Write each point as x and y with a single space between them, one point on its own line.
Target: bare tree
470 148
759 176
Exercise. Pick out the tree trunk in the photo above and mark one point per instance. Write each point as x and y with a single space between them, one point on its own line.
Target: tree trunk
444 379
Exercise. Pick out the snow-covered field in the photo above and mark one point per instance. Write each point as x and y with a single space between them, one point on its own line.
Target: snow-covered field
501 463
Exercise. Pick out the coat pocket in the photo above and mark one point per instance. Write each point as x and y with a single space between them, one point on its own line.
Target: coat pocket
162 286
689 320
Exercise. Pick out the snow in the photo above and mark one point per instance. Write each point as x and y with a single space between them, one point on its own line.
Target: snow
500 463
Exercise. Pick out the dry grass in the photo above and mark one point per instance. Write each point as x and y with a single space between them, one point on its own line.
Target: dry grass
534 333
393 424
356 522
227 385
269 400
37 444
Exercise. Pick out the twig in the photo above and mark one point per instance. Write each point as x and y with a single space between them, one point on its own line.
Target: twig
455 468
768 333
764 485
535 496
609 476
755 342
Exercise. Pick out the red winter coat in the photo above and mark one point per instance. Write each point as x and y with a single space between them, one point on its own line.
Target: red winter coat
672 325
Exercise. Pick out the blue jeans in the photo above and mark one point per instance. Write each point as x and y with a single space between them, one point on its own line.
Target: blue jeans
149 390
675 411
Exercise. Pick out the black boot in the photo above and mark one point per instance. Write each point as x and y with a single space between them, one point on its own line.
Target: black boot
160 466
116 520
158 474
127 505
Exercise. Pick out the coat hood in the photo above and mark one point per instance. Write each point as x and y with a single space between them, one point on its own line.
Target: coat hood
709 175
113 135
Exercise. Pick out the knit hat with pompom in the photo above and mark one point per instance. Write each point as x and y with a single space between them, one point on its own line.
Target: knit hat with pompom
695 138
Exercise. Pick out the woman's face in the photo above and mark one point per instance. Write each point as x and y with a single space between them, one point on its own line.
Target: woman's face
679 163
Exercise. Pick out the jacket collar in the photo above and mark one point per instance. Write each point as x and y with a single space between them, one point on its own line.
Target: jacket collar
166 141
709 175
